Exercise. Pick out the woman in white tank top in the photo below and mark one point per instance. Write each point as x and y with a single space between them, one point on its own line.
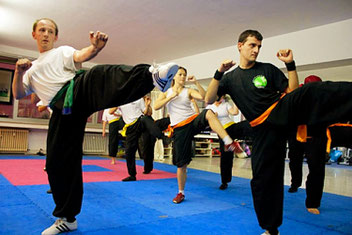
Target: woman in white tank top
186 123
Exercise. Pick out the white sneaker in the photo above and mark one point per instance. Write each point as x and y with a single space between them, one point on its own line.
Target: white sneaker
163 75
241 155
267 233
61 225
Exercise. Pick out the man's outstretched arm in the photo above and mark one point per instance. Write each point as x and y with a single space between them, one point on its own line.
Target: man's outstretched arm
212 90
98 41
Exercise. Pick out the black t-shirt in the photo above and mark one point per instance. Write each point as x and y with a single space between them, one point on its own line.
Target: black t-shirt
254 90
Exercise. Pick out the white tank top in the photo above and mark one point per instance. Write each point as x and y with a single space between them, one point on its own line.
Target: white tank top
180 107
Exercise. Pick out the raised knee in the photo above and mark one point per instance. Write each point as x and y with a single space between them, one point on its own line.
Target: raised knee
209 114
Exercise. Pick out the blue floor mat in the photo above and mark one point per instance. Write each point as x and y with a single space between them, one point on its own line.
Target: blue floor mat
145 207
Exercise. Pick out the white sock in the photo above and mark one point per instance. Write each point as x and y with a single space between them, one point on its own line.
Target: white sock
227 140
181 191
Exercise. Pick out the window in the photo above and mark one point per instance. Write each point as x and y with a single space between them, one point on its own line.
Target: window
27 108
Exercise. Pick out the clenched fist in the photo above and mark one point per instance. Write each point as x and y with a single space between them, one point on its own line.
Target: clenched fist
285 55
22 65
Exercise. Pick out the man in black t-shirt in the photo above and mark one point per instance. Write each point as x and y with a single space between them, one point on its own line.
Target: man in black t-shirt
272 105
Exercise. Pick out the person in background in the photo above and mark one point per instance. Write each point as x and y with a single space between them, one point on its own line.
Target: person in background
314 151
223 109
137 122
116 124
147 140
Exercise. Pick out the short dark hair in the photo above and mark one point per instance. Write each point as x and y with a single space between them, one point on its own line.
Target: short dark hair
52 21
249 33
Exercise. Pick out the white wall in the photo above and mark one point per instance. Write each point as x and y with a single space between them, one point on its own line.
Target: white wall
311 46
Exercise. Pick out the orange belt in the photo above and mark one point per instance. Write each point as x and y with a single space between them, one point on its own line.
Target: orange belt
301 130
328 134
170 128
302 133
259 120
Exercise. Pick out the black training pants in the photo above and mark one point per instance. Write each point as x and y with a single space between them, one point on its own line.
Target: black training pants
114 136
145 128
103 86
314 150
314 104
241 130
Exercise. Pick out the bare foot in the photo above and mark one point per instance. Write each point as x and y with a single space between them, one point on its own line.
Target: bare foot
314 211
112 162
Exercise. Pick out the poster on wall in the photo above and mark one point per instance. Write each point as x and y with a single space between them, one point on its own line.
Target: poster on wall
6 76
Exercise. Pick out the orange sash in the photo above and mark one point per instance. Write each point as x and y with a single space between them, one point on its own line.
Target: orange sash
170 128
328 134
259 120
302 133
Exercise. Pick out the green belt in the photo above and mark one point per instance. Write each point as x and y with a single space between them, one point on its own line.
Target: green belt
66 90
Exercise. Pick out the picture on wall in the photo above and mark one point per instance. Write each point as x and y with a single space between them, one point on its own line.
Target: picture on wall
6 76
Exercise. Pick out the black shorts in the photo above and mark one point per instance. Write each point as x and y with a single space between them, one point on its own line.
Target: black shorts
183 136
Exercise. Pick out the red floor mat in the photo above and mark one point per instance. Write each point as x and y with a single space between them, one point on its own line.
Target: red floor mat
30 172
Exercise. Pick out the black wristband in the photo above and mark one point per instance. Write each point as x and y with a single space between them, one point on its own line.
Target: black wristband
218 75
291 66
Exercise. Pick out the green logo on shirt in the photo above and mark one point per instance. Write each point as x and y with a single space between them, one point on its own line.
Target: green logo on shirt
260 81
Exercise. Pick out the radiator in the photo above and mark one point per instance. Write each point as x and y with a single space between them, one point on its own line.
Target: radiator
94 144
13 140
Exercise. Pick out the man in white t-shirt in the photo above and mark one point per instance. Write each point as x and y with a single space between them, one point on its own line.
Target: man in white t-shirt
135 115
54 80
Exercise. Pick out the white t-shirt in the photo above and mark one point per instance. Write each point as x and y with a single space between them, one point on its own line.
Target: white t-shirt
107 117
50 72
180 107
223 112
132 111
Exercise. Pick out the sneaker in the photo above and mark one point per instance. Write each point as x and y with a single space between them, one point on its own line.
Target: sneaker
61 225
223 186
314 211
179 198
129 178
241 155
267 233
233 147
163 75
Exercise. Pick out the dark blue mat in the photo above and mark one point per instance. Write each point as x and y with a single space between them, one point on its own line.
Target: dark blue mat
145 207
93 168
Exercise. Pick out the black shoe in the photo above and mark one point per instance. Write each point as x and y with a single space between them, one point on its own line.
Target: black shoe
292 189
49 191
223 186
129 178
166 140
146 172
40 153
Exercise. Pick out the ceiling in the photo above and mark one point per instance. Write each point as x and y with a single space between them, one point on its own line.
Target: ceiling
143 31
